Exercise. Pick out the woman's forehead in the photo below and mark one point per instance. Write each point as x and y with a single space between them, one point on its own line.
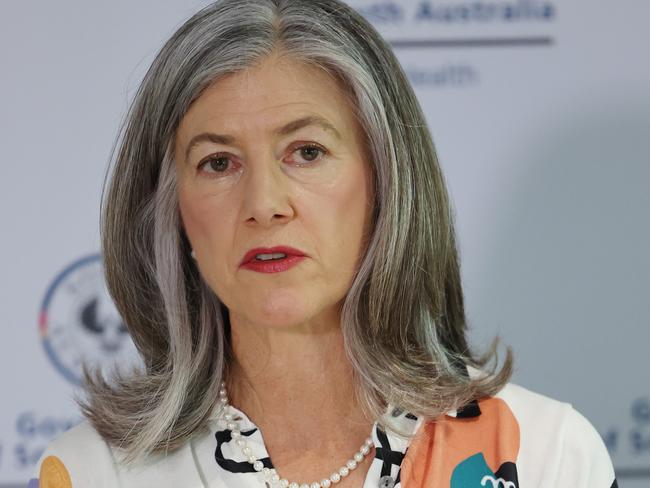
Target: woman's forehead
269 96
272 84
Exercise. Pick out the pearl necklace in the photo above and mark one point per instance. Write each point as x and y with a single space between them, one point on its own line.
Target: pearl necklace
270 475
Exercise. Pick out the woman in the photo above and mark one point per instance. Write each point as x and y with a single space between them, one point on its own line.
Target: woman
278 238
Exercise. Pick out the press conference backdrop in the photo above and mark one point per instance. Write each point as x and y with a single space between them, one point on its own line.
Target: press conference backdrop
540 112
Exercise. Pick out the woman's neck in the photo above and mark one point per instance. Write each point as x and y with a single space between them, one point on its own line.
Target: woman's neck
299 378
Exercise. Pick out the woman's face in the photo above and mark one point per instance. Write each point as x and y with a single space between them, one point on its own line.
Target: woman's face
273 156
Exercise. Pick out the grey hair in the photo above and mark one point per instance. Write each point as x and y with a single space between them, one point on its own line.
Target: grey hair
403 318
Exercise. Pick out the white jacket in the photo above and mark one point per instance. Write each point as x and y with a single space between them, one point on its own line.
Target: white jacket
516 439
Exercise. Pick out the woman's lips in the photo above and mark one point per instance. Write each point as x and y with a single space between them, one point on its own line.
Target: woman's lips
273 265
289 251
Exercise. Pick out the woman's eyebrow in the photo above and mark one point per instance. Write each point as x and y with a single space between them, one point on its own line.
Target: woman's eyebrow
286 129
306 121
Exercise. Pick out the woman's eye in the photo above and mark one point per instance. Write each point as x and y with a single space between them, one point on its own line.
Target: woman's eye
309 153
215 164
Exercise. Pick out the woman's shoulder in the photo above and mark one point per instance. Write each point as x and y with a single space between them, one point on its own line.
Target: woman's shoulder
555 431
78 457
518 436
81 458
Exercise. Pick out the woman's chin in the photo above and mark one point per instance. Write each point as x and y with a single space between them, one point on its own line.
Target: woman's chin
281 314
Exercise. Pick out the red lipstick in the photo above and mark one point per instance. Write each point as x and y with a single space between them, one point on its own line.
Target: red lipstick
292 257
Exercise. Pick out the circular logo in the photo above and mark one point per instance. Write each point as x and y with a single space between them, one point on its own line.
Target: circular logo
79 323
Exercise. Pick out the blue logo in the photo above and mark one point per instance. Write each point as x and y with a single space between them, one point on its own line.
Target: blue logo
79 324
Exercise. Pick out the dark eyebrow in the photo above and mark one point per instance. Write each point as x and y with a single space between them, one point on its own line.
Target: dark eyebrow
286 129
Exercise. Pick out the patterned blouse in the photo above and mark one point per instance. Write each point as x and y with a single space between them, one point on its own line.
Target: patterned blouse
515 439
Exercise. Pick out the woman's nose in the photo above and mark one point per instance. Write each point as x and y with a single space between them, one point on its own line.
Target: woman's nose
266 194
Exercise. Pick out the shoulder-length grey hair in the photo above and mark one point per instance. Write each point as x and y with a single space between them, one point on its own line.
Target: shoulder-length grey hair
403 319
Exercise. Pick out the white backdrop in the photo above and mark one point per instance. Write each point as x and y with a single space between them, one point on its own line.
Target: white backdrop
540 112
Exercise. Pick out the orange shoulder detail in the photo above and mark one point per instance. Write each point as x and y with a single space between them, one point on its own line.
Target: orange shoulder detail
441 445
54 474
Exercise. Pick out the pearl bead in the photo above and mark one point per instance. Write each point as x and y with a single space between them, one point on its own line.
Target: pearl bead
314 485
304 485
275 476
284 483
351 464
344 471
369 442
325 483
235 434
358 457
231 425
241 442
294 485
247 451
335 477
258 465
252 459
365 450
